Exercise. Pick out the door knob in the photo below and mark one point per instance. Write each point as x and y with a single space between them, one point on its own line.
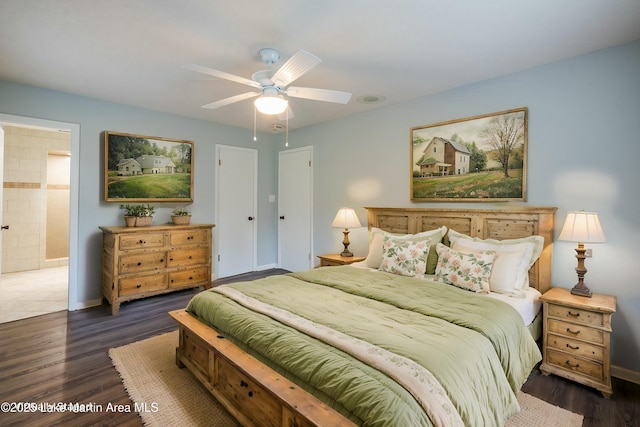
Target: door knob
4 227
282 217
250 218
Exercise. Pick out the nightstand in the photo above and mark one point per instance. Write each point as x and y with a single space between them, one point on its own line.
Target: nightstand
576 338
336 259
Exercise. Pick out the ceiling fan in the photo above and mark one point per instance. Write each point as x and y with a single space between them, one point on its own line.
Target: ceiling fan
272 84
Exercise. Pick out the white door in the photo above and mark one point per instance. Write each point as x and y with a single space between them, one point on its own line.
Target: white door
295 187
236 223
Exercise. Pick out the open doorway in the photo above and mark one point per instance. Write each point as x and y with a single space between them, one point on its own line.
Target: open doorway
36 200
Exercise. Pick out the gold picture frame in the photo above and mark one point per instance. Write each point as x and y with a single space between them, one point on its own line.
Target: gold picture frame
139 168
475 159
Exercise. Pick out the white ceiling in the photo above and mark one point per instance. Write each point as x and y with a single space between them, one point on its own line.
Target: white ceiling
131 51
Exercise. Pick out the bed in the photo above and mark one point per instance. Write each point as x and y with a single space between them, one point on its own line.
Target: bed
382 344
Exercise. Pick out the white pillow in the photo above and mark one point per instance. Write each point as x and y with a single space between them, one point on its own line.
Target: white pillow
404 256
469 271
376 239
514 258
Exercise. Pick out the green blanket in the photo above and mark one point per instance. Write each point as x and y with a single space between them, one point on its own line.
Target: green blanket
478 348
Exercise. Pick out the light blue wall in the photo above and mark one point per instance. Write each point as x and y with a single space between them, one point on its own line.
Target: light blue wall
584 153
94 117
584 127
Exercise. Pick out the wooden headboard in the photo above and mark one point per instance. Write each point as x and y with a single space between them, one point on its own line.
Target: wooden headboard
496 224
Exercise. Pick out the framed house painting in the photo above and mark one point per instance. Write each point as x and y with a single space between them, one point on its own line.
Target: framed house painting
146 169
477 159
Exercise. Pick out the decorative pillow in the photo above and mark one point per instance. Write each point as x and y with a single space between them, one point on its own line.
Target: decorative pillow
469 271
376 238
514 258
405 256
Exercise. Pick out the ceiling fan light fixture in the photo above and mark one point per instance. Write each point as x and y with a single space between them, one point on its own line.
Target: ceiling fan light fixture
271 104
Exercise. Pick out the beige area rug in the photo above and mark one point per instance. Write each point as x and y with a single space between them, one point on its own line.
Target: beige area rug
173 396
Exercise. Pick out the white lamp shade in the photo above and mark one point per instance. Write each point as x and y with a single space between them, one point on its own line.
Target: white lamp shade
271 104
582 227
346 218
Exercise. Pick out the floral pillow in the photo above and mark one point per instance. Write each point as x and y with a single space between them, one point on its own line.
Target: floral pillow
469 271
376 240
405 257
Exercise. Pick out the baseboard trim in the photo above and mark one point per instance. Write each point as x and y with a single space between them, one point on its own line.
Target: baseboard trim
266 267
88 304
625 374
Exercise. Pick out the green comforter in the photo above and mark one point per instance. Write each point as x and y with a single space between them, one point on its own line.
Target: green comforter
477 347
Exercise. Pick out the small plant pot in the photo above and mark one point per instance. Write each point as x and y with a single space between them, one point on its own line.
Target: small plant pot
181 219
130 221
144 221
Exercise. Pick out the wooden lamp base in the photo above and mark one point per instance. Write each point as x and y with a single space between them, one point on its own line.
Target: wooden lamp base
580 288
346 242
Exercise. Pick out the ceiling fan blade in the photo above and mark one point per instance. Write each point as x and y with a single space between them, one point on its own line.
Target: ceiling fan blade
231 100
301 62
221 74
319 94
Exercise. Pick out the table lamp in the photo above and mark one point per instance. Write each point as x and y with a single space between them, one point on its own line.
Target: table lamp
581 227
346 218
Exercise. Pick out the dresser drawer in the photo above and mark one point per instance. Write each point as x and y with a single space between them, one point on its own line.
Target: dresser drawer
577 348
576 315
143 262
262 408
571 363
143 283
186 257
141 241
191 237
573 330
182 278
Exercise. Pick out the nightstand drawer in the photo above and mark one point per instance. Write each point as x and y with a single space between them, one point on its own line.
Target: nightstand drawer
574 364
577 348
573 330
576 315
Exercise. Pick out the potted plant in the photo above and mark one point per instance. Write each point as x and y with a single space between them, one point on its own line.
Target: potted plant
138 215
181 216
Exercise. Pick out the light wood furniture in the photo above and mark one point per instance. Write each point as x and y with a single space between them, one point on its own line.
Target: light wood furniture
215 361
576 338
498 224
330 260
138 262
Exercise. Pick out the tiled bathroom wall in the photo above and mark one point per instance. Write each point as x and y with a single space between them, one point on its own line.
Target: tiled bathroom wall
35 199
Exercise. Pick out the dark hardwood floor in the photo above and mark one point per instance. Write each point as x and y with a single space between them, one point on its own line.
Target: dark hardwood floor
62 358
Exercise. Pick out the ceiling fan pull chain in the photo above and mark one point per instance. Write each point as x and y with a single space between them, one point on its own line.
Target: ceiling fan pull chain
254 122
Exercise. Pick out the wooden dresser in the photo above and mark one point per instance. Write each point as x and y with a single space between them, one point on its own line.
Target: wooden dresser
576 337
138 262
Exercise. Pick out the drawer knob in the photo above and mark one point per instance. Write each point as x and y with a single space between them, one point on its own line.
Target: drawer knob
250 394
139 262
572 332
572 347
573 314
138 285
243 384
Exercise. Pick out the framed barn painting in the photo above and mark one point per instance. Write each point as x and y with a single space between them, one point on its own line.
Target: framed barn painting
477 159
146 169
